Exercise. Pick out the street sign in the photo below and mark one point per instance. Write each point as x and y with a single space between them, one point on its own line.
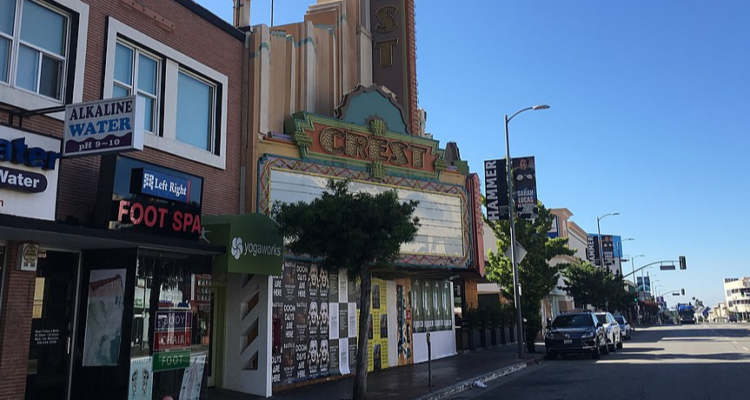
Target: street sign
667 267
520 253
167 360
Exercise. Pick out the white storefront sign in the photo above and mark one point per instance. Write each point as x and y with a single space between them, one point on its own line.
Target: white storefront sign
29 165
104 126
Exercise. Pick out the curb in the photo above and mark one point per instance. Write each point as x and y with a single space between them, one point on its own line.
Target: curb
469 383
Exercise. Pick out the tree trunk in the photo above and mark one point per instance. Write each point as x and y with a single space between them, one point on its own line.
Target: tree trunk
360 380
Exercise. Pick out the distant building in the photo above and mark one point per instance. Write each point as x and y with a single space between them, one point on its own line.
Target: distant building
737 297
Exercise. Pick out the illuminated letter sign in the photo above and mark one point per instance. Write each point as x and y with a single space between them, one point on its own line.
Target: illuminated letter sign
367 147
389 46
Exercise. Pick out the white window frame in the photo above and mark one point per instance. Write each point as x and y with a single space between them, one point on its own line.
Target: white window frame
173 60
212 117
27 100
133 89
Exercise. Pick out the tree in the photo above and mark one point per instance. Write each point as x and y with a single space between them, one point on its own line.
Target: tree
353 231
585 282
596 286
536 276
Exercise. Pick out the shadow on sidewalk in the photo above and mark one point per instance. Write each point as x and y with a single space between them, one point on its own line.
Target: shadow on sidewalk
407 382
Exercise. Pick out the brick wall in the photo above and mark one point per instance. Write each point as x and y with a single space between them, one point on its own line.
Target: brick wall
192 36
15 326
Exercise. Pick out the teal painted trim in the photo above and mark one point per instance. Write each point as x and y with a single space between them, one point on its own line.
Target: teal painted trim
262 46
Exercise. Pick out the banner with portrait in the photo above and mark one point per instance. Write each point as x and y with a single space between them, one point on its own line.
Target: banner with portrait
524 187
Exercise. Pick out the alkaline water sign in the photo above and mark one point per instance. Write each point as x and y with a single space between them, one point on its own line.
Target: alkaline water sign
104 126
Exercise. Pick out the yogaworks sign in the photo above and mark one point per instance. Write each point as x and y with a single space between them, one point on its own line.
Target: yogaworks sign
253 243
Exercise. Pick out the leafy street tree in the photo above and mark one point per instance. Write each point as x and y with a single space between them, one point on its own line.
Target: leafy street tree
353 231
596 286
536 276
585 282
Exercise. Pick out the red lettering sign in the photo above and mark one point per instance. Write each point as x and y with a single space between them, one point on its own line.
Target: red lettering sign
151 216
171 340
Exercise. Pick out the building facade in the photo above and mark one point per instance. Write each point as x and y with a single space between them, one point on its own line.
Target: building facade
106 287
737 297
334 97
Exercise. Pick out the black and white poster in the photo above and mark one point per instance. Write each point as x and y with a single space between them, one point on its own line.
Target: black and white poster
496 189
311 321
524 187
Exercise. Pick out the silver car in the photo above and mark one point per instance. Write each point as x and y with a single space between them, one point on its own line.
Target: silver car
612 329
625 329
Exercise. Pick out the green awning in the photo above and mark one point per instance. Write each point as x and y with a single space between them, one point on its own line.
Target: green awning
253 243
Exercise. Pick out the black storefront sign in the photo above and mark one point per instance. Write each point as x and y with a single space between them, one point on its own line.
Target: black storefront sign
128 199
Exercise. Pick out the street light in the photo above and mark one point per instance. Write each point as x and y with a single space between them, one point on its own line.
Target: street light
511 212
632 264
599 233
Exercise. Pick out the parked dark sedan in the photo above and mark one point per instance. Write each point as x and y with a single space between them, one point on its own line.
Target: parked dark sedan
578 332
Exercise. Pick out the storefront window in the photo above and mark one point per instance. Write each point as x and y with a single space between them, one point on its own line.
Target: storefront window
171 331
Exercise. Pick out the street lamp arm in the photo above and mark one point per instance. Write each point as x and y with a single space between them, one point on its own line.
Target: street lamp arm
507 119
536 107
667 291
649 265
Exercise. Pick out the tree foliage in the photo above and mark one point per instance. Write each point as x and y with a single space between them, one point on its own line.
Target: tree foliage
536 277
596 286
353 231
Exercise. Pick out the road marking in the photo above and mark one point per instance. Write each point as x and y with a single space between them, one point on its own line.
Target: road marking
744 348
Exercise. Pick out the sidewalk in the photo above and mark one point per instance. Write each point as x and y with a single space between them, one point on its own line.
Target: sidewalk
450 375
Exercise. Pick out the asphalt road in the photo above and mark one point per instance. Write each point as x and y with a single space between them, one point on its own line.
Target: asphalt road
681 362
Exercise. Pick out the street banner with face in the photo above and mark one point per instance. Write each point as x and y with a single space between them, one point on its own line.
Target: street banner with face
524 187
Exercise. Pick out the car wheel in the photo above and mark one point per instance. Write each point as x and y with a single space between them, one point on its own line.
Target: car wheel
595 354
629 337
619 344
605 348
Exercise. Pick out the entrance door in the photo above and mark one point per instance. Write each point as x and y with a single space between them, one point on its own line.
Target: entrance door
51 326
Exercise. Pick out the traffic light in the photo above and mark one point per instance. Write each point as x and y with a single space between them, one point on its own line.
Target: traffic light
682 292
683 263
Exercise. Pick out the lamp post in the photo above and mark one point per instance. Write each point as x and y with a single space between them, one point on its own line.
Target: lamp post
632 265
599 235
621 254
511 213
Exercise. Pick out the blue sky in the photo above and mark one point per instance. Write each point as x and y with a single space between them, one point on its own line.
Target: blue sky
646 116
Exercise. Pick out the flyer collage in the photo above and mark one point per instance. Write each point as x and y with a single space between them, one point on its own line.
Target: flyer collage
315 324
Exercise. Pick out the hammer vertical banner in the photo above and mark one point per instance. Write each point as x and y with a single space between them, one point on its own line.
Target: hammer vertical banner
496 190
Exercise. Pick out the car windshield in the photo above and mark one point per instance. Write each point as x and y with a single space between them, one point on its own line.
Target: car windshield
602 318
620 320
571 321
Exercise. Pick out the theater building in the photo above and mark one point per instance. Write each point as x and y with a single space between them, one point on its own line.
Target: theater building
106 287
335 97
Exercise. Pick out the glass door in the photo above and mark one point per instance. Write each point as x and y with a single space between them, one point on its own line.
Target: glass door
51 326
